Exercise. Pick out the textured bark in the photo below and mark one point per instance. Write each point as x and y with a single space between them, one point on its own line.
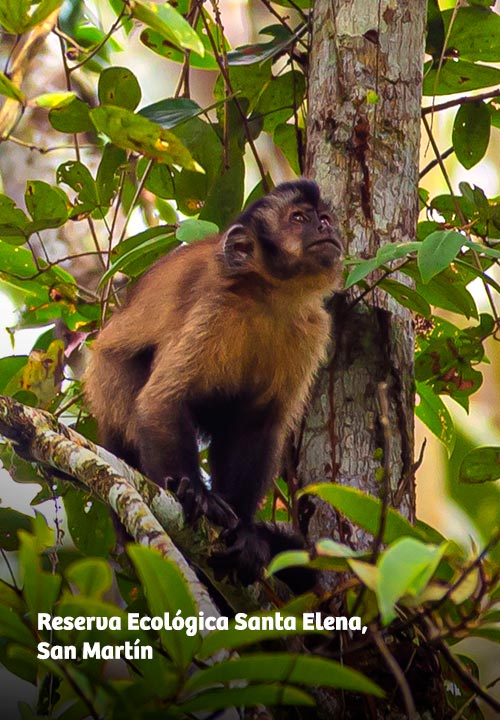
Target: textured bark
363 144
363 136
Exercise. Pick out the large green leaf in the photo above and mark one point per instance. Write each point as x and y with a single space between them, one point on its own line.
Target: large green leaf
71 116
47 205
385 254
134 132
364 510
432 411
437 251
78 177
404 569
89 523
406 296
167 591
258 52
480 465
171 112
471 132
458 76
40 588
474 33
19 16
8 89
216 699
10 522
91 576
169 24
283 667
277 102
137 253
119 86
193 230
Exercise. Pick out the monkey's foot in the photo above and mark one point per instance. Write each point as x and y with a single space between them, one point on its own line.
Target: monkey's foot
248 552
198 501
250 549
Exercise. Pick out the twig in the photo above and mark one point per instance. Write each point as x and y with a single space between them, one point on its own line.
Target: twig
398 675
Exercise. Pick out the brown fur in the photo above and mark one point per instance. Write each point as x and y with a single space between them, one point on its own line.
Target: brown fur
223 336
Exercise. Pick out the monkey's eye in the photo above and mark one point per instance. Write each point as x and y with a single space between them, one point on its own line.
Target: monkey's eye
325 220
299 217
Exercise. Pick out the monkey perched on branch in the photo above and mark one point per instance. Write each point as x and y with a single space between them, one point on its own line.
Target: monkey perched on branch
222 339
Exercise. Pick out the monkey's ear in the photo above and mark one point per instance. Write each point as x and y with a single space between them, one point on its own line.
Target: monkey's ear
238 247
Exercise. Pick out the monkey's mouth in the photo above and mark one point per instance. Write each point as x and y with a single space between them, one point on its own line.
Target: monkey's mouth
327 242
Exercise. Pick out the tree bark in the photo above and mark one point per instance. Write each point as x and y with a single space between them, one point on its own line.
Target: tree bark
363 134
363 137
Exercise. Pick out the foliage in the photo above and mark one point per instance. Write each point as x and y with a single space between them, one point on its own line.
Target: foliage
180 168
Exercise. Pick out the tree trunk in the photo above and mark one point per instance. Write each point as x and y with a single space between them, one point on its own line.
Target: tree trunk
365 82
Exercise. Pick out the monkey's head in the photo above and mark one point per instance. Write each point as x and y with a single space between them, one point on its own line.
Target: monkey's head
288 234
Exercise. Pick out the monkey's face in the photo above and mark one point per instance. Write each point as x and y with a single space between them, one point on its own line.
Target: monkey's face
288 234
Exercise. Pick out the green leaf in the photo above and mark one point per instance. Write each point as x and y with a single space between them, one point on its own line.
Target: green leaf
47 205
405 568
480 465
108 173
13 628
434 414
291 558
13 221
10 90
169 23
283 667
364 510
278 100
225 198
458 76
471 132
435 30
259 52
385 254
166 590
246 697
10 522
406 296
53 99
139 252
193 230
9 368
17 16
133 132
92 576
171 112
445 290
285 137
78 177
40 588
474 33
89 523
437 251
118 86
71 117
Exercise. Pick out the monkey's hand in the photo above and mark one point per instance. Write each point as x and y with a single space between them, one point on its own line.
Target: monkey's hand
198 501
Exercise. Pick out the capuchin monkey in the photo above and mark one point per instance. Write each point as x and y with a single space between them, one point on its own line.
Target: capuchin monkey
221 339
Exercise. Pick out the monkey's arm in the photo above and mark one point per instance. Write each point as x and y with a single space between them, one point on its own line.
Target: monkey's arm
165 435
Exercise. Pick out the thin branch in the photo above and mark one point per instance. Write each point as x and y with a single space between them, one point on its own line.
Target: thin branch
461 101
398 675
